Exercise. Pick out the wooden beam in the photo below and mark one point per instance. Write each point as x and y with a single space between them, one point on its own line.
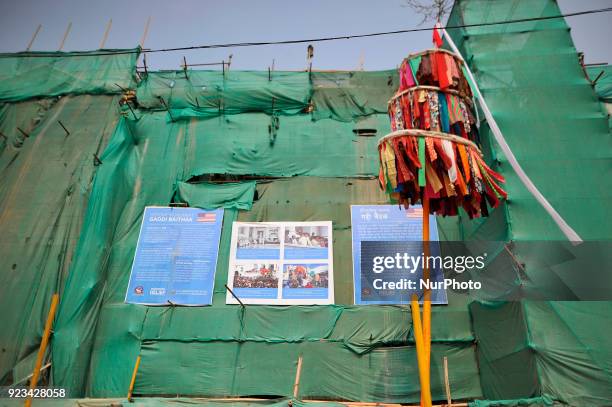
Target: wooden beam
105 36
449 400
133 381
145 33
65 36
34 37
298 373
43 346
426 398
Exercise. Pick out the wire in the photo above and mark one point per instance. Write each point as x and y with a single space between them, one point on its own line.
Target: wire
311 40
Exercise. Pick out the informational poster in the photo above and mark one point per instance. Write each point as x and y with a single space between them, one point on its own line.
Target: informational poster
388 254
176 257
282 263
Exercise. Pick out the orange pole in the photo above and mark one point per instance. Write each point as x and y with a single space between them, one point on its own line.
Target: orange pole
427 292
133 381
43 346
418 338
426 391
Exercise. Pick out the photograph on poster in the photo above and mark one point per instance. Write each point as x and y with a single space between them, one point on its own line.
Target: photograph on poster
305 276
306 242
305 280
258 242
256 280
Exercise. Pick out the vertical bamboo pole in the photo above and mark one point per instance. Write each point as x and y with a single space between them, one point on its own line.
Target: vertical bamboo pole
449 400
133 381
418 338
427 292
426 328
43 346
298 374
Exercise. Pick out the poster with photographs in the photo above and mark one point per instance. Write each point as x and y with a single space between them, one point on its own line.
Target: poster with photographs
281 263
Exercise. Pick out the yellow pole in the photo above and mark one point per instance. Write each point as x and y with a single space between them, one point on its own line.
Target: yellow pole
427 291
418 338
426 390
133 381
43 346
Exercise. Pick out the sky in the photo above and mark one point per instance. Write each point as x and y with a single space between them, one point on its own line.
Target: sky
177 23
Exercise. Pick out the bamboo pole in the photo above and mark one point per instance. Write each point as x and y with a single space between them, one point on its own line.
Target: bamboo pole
145 33
61 46
449 399
298 373
43 346
133 381
34 37
105 36
427 292
418 338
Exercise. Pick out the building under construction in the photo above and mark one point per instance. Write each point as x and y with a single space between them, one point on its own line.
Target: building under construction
88 140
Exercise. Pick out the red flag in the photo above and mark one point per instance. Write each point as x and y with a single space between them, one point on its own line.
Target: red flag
436 37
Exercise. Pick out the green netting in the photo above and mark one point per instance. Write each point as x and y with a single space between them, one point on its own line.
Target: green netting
46 179
276 402
532 348
243 145
553 123
236 195
527 352
210 93
345 96
328 370
339 95
29 75
173 401
527 402
556 129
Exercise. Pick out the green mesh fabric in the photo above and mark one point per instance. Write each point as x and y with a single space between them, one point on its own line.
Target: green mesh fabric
555 127
46 181
244 145
237 195
29 75
210 93
526 402
70 224
345 96
339 95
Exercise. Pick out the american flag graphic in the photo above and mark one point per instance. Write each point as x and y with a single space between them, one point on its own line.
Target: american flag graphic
207 217
414 213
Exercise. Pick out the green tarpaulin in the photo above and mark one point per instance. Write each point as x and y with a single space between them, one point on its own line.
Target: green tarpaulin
531 78
29 75
71 202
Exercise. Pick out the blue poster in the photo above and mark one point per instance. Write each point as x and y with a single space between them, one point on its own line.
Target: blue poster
388 254
176 257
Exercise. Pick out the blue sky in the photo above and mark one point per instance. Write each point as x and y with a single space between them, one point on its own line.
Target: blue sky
190 22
